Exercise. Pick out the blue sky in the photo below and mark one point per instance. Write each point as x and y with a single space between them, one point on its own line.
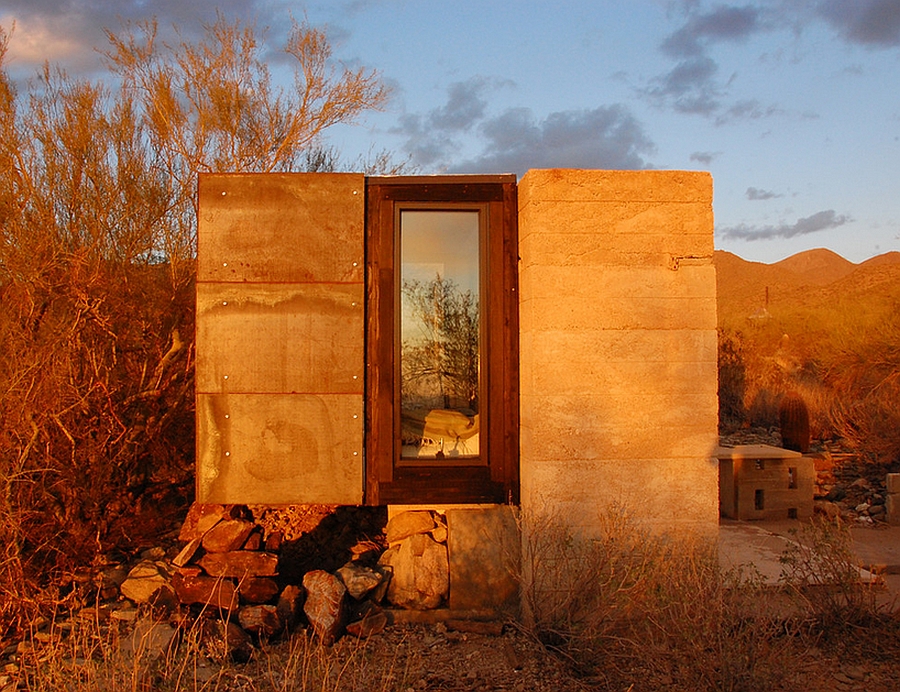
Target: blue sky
793 105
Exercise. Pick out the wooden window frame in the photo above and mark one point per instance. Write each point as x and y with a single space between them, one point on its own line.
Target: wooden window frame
494 477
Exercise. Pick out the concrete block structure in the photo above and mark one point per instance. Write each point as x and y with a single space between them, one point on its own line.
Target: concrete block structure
765 482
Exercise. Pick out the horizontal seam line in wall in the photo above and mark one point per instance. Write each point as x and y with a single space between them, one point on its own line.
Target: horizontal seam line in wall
359 393
284 283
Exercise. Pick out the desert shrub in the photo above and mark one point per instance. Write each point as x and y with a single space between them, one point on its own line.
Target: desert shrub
864 375
842 357
97 244
630 607
732 378
821 573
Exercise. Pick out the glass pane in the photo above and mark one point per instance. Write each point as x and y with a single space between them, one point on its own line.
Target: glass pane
440 341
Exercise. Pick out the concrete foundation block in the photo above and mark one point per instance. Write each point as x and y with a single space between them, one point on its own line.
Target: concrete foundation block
484 559
893 483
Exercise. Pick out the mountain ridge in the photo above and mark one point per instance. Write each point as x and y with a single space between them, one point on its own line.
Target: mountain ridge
812 278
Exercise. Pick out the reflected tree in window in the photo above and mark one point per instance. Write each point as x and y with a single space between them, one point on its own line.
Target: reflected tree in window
440 365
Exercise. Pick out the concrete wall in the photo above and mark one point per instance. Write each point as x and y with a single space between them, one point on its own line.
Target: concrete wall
618 347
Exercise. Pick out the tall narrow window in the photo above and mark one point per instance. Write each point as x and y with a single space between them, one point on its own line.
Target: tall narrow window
442 340
440 334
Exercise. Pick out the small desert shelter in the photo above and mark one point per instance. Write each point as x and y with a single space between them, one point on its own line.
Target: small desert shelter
460 341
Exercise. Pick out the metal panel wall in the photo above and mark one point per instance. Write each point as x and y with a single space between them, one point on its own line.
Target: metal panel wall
280 338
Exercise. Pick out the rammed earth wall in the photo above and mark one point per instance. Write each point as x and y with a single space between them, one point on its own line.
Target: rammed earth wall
618 347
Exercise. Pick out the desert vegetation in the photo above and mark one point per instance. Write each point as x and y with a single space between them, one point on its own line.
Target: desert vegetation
827 333
97 244
636 611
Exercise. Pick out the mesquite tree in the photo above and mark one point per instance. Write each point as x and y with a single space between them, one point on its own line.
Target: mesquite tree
97 244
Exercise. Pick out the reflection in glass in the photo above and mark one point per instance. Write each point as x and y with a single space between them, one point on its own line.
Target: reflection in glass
439 333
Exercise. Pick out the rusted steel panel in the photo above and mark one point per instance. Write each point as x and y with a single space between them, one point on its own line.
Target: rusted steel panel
281 227
279 448
280 338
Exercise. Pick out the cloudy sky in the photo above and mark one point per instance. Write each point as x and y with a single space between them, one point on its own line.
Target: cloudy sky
793 105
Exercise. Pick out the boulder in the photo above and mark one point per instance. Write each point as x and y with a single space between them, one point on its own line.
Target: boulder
217 593
290 605
371 623
420 573
200 519
225 640
408 524
261 620
149 641
324 605
258 589
186 554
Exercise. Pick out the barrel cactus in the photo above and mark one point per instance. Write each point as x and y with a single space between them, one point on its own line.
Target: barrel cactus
794 418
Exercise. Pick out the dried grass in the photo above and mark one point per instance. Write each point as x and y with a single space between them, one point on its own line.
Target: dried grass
634 610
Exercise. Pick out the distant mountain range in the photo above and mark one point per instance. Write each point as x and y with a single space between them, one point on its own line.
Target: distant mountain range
814 279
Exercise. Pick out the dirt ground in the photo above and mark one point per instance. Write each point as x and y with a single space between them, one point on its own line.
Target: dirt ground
440 658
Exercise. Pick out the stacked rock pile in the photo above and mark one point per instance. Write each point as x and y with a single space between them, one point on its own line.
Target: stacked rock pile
230 568
418 560
229 565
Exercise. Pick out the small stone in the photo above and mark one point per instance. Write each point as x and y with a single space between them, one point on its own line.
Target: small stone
254 541
489 628
227 535
142 582
190 571
875 510
258 589
113 576
109 593
262 620
155 553
359 579
273 542
124 614
163 601
240 564
854 672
